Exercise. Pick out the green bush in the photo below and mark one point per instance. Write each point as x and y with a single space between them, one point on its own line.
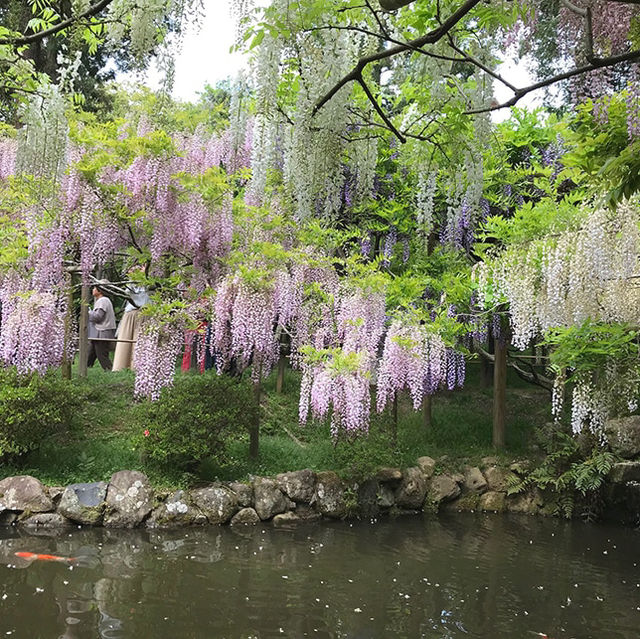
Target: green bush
192 419
32 407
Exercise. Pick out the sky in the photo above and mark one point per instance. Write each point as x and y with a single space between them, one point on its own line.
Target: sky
205 56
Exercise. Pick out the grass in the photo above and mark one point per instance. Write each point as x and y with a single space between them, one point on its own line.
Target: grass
99 441
102 437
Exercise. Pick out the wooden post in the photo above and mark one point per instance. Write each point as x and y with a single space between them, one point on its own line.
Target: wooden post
427 417
254 429
282 365
83 350
66 357
499 393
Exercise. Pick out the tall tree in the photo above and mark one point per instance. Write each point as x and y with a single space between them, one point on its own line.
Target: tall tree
80 44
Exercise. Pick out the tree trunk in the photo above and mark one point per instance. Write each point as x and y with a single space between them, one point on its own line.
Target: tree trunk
83 350
486 367
427 417
499 393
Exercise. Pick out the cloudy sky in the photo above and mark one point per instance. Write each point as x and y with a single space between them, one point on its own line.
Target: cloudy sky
205 56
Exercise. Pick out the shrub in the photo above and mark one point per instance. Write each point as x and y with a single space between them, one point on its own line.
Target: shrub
191 420
360 457
31 408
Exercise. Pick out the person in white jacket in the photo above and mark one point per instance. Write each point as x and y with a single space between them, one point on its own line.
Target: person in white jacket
102 321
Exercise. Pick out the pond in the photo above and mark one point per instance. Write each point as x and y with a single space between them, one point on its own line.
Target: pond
461 575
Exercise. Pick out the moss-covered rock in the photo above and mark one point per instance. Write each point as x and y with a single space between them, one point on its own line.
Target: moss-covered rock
84 503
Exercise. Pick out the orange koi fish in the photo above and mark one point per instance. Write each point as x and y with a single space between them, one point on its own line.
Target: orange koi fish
36 556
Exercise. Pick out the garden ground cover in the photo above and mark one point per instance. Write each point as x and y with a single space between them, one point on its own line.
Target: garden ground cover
106 434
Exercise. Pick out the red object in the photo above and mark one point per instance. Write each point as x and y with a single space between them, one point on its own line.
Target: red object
34 556
198 335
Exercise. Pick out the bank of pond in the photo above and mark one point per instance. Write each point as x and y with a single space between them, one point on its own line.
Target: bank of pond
128 499
309 554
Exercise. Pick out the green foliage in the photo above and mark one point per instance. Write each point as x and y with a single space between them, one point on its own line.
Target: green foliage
602 150
589 347
192 419
526 134
360 457
32 407
26 68
567 471
210 112
532 221
335 360
107 434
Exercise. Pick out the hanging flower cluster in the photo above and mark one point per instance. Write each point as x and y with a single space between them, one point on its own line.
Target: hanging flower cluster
564 280
340 383
415 359
361 320
32 331
425 203
8 151
315 322
244 329
43 140
249 315
86 211
155 356
465 204
337 370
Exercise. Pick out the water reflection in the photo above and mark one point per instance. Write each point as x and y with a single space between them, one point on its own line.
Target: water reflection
456 576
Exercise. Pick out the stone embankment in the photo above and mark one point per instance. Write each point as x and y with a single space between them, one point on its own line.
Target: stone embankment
129 501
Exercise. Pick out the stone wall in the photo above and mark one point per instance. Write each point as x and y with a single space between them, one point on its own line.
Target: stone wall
129 501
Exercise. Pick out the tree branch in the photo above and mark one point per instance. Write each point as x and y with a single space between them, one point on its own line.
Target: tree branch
583 12
574 8
41 35
531 377
379 110
480 65
133 238
377 19
392 5
429 38
596 63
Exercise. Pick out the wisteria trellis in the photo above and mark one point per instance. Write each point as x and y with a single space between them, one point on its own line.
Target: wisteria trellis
172 199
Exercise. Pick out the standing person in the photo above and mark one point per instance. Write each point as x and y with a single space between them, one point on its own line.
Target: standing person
129 326
103 320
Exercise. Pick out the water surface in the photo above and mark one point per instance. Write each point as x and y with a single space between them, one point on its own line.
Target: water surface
482 576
